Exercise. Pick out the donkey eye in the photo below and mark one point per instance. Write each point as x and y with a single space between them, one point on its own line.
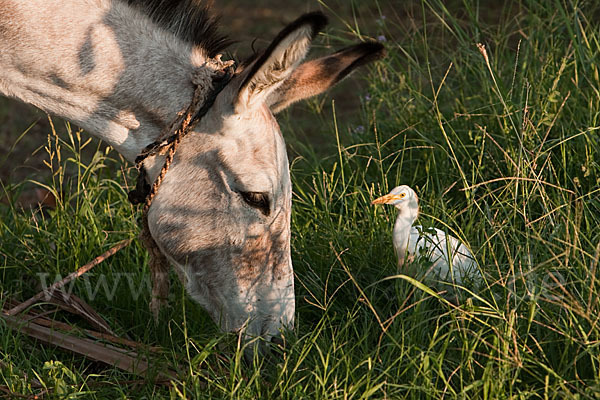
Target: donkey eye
257 200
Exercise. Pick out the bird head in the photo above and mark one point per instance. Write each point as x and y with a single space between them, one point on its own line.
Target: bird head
400 197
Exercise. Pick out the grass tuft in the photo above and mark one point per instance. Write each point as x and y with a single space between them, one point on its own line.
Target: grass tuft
490 113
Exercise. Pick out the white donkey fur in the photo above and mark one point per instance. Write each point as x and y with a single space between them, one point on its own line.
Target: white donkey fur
111 69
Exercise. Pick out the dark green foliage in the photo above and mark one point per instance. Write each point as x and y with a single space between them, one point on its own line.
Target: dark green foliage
503 152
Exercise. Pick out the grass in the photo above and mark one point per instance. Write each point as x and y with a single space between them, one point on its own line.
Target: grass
502 146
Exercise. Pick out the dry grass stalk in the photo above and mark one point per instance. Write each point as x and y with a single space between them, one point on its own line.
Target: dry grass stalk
77 306
126 360
67 279
48 323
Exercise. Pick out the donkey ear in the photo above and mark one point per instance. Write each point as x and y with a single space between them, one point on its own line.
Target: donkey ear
316 76
278 61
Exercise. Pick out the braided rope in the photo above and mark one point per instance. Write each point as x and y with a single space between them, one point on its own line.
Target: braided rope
144 193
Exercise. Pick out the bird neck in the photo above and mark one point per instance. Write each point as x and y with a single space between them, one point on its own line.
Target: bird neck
406 217
407 214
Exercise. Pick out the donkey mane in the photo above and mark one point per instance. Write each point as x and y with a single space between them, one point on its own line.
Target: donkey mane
191 20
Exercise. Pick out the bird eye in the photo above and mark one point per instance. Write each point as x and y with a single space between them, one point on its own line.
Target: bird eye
257 200
402 195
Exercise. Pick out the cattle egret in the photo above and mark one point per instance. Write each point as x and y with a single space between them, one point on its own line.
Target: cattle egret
433 244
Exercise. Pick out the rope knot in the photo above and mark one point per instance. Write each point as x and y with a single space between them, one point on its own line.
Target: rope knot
208 82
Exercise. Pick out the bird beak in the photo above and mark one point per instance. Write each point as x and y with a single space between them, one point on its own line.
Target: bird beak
388 198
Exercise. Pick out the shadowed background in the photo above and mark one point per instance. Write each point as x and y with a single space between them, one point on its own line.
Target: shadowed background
252 24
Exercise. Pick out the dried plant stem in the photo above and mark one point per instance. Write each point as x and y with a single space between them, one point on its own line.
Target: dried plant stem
126 360
69 278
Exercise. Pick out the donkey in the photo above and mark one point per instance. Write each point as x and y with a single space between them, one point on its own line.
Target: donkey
122 70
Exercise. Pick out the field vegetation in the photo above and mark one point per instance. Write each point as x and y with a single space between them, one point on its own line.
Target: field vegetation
491 114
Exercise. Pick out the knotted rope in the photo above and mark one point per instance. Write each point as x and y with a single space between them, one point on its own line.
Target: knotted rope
171 138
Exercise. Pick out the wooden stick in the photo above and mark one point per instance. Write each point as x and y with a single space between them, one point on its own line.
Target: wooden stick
69 278
128 361
41 318
48 323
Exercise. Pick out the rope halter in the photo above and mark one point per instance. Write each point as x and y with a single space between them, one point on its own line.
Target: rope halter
222 73
184 122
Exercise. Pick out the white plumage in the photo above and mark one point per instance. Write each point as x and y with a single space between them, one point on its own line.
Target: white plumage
412 242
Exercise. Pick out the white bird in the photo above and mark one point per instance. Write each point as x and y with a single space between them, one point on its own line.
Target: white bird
411 242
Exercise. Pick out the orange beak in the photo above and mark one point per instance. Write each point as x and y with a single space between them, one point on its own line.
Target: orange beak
388 198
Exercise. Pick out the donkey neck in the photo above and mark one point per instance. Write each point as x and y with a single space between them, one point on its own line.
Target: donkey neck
115 73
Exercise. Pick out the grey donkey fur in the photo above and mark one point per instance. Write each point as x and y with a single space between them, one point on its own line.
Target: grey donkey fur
222 214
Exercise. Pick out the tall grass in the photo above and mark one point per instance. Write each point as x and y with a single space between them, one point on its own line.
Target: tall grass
500 142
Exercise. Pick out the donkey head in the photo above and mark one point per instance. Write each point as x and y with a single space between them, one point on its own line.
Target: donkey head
222 214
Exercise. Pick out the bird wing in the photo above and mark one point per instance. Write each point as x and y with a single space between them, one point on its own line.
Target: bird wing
439 249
